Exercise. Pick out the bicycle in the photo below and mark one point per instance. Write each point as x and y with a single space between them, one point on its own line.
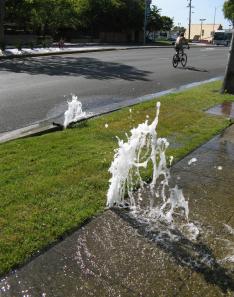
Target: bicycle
180 57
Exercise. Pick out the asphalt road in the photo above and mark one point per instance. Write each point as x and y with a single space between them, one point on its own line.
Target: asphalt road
36 89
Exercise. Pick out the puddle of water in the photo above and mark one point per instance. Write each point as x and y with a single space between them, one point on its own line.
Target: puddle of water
225 109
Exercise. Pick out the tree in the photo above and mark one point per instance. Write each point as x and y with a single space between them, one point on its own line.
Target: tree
167 23
48 16
179 29
228 83
111 15
154 20
2 14
228 9
18 13
51 16
43 17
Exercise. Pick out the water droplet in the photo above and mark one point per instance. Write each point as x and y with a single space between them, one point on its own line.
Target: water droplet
193 160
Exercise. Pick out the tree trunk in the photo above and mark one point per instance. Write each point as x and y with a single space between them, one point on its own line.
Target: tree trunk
2 14
228 83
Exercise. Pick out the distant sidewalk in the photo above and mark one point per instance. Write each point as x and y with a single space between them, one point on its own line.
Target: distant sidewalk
68 49
71 48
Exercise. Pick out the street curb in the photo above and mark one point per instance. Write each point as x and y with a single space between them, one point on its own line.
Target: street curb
29 131
49 127
52 54
10 57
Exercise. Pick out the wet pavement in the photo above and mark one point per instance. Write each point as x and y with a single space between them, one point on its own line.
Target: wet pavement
57 123
115 255
225 109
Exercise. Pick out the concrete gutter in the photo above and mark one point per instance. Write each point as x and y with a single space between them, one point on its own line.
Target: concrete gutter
57 123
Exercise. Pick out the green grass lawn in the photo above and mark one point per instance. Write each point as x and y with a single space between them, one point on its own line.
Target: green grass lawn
163 42
51 184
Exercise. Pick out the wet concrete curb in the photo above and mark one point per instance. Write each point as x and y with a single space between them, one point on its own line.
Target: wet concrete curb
30 131
56 124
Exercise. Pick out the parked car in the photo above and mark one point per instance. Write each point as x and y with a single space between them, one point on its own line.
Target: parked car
172 40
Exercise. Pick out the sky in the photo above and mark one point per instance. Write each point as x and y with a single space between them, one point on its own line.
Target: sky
202 9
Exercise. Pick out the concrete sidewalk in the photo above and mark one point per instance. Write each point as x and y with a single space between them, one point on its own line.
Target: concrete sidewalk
114 255
73 49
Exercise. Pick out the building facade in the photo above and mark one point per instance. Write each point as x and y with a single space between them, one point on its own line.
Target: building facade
203 32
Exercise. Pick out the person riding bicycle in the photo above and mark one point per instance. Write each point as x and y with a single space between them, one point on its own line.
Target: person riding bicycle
180 42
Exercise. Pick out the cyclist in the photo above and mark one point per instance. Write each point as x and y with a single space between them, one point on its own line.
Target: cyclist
180 42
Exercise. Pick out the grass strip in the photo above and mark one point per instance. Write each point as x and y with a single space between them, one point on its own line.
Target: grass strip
53 183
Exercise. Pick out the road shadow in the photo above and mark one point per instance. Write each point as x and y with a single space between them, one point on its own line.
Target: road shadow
192 68
193 255
89 68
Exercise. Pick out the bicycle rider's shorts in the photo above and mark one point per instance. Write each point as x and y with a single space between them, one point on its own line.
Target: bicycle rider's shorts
178 47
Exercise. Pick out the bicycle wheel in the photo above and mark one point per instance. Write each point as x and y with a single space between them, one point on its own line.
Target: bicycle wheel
175 61
183 60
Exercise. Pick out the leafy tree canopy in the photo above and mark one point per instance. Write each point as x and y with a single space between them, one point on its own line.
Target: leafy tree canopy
156 22
50 15
111 15
41 16
167 23
179 29
228 9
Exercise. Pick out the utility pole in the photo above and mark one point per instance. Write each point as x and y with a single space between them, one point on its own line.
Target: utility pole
145 21
190 17
214 20
202 20
147 9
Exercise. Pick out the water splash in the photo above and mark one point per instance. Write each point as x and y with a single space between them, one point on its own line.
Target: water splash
127 161
228 259
158 200
229 229
74 112
193 160
229 245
